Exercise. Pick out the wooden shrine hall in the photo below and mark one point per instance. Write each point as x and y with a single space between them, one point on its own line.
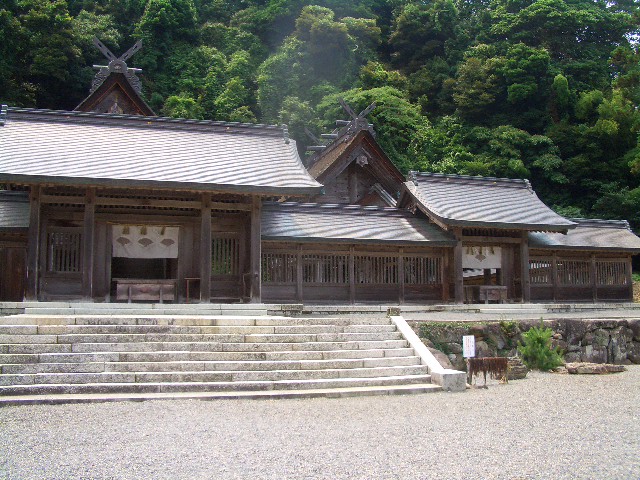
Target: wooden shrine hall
110 203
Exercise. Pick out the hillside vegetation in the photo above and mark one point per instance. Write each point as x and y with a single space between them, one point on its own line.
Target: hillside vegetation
540 89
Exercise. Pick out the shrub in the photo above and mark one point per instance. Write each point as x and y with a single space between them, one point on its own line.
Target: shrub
536 349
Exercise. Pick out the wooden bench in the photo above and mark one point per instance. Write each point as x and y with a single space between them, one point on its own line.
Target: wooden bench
135 289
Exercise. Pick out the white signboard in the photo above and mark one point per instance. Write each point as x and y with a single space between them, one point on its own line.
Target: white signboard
468 346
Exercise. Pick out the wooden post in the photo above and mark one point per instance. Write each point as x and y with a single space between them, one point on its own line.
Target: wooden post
524 261
593 279
255 246
629 279
33 244
353 183
205 249
507 268
444 274
401 276
554 275
457 268
88 240
299 274
352 276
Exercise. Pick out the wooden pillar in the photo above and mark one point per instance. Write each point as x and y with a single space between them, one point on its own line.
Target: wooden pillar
629 279
352 276
457 268
205 249
444 274
554 275
593 279
524 265
401 276
33 244
507 270
88 243
299 274
255 249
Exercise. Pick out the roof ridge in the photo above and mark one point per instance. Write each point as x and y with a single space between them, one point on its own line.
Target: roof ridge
512 182
338 206
144 121
602 222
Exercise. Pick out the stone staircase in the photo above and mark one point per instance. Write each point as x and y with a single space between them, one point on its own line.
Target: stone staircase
48 358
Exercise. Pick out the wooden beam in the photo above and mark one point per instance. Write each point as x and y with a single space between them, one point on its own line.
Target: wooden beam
475 240
457 267
524 266
33 244
88 240
142 202
205 249
255 246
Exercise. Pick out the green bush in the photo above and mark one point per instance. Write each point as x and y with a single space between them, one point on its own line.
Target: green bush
536 349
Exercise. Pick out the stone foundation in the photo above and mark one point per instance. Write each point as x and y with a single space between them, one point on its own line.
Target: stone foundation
597 341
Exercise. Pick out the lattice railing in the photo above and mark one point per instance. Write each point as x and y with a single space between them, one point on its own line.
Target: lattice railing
225 256
422 270
64 252
574 272
278 268
325 269
611 273
541 272
376 270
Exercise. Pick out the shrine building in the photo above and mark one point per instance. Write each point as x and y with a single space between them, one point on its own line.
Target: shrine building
110 203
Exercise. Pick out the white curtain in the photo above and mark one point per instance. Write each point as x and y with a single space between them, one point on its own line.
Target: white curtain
145 241
482 257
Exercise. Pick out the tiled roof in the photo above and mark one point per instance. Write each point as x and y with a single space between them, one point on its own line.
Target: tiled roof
589 235
81 148
464 201
14 210
348 223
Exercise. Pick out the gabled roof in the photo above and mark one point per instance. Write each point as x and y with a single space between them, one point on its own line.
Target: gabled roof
104 98
77 148
463 201
326 165
589 235
14 210
312 222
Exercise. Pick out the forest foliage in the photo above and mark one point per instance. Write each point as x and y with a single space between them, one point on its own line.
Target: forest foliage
540 89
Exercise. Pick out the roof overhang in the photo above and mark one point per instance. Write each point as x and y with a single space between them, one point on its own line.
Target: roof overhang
168 185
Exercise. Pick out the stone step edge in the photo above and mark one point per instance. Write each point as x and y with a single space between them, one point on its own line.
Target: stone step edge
59 399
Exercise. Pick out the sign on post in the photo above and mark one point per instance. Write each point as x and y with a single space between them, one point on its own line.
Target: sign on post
468 346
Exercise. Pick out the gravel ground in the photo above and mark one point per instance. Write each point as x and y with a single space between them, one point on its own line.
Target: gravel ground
546 426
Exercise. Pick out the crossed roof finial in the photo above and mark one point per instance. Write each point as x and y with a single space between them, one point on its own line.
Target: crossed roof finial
116 65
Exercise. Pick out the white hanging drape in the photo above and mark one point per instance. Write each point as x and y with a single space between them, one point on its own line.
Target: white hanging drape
145 241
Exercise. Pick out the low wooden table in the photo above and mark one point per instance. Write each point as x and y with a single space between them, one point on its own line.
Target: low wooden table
478 293
154 290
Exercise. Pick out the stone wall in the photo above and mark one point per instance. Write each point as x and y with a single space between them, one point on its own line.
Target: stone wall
598 341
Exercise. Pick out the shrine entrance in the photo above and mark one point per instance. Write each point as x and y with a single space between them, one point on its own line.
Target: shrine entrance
482 267
144 262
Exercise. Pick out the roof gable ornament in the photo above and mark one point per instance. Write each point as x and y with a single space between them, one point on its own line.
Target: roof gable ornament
116 65
343 128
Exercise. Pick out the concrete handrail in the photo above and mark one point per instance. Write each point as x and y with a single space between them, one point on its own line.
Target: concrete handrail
450 380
